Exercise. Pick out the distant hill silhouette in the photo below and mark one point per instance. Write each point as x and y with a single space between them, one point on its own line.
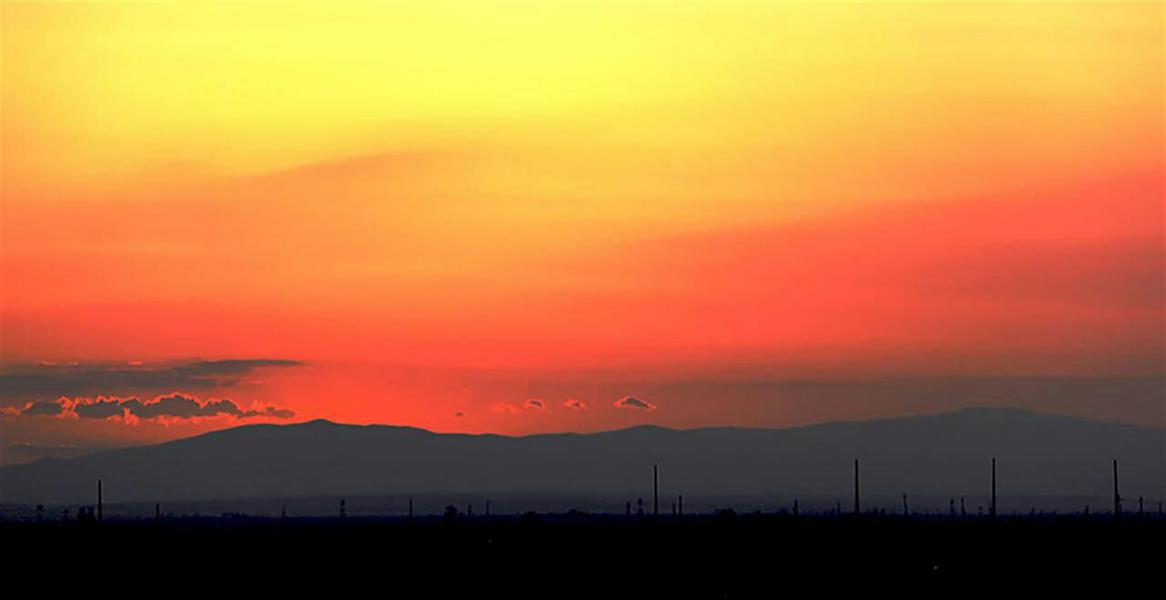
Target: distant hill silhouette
938 454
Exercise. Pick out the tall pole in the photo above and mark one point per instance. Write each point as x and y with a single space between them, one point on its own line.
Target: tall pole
857 506
99 507
1116 494
655 491
992 506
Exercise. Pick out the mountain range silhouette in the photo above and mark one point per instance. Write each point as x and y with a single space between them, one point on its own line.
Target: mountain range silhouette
944 454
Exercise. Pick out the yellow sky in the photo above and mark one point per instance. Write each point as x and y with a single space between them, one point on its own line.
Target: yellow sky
941 187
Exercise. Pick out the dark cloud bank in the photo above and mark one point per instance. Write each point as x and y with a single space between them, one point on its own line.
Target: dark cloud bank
27 382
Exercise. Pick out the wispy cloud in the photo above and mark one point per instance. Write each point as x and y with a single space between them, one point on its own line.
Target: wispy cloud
628 402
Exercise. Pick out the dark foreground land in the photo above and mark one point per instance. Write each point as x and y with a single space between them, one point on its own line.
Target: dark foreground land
606 556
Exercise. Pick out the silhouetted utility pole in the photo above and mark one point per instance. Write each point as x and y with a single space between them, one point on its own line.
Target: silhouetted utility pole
1141 507
951 507
963 510
680 504
1116 494
857 506
99 502
992 506
487 509
905 511
795 507
343 509
655 491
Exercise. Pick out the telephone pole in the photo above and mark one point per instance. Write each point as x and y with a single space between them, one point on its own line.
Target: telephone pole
857 505
992 506
1116 493
655 491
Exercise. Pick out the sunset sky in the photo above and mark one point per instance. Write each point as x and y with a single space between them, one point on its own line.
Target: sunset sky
522 217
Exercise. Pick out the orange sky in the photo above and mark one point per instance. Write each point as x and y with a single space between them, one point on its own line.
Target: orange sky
455 207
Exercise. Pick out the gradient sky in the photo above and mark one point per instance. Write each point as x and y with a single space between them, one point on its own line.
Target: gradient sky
520 217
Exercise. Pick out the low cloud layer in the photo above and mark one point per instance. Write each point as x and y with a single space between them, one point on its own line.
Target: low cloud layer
43 409
162 408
